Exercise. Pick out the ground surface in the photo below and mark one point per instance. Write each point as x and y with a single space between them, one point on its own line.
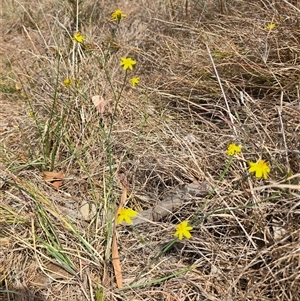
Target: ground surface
211 73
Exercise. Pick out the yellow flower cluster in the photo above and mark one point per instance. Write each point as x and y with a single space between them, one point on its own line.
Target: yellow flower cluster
182 230
260 168
129 63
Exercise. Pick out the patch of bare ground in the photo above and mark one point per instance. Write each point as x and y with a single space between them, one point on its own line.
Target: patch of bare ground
211 73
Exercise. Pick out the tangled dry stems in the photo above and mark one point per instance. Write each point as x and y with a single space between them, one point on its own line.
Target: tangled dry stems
173 129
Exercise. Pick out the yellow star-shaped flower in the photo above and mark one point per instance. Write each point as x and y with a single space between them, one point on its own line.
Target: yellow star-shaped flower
134 81
78 37
126 215
127 63
233 149
183 230
117 15
270 26
68 82
260 168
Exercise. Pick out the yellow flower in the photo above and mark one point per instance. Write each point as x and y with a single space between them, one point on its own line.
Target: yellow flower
127 63
68 82
126 215
233 149
183 230
117 15
78 37
134 81
261 169
270 26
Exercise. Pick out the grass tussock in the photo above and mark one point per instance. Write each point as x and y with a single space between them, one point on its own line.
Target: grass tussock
76 135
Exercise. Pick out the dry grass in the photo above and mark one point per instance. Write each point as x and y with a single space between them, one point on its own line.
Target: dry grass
211 73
